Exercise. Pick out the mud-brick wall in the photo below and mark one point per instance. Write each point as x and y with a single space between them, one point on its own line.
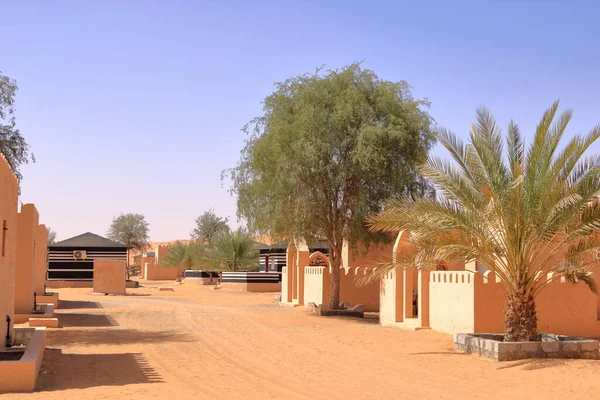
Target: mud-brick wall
8 244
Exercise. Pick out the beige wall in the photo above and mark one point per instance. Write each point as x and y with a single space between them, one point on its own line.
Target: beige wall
568 309
391 298
153 272
27 223
8 213
41 265
314 282
371 257
317 287
451 302
109 276
474 302
305 284
284 285
355 293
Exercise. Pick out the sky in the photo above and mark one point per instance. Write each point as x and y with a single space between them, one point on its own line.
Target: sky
137 106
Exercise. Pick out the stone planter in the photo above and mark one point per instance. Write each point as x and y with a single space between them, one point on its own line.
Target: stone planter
549 346
20 375
47 297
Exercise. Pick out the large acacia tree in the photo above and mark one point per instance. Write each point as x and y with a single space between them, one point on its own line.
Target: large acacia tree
521 212
328 149
130 229
12 144
209 225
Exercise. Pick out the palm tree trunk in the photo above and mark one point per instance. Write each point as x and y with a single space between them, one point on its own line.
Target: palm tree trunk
520 317
334 297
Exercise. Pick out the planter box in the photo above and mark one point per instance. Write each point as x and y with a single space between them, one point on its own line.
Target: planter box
21 375
201 277
43 311
252 281
549 346
47 297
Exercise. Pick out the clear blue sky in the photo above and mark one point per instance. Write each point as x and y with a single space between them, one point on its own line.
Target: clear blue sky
136 106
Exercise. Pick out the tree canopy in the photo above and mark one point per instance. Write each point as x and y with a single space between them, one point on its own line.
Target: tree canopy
522 213
208 225
12 144
130 229
328 149
51 236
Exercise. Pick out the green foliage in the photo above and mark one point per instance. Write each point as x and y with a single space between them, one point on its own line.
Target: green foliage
183 255
12 144
51 236
208 225
130 229
521 213
233 251
329 148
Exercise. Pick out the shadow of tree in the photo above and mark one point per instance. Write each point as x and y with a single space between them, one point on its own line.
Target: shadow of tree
62 371
74 304
533 363
367 319
439 353
116 336
69 319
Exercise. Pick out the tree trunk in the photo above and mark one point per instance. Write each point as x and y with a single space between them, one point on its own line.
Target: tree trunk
520 317
334 296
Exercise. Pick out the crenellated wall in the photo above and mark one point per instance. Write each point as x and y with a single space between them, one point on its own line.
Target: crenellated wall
317 287
468 302
315 281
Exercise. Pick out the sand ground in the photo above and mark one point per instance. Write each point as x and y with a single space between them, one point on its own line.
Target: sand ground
198 343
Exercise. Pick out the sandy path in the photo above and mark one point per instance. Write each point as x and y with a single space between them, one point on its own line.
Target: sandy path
197 343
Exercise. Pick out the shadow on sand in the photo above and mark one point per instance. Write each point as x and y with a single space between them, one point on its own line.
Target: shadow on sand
62 371
367 319
70 320
65 337
74 304
533 364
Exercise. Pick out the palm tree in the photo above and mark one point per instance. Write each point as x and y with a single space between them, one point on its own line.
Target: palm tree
233 251
183 255
520 213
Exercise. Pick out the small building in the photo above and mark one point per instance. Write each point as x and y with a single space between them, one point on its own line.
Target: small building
151 268
72 261
307 275
273 257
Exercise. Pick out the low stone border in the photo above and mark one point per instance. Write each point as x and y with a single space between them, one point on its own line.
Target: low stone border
549 346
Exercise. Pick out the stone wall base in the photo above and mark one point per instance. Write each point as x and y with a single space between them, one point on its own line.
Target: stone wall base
549 346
